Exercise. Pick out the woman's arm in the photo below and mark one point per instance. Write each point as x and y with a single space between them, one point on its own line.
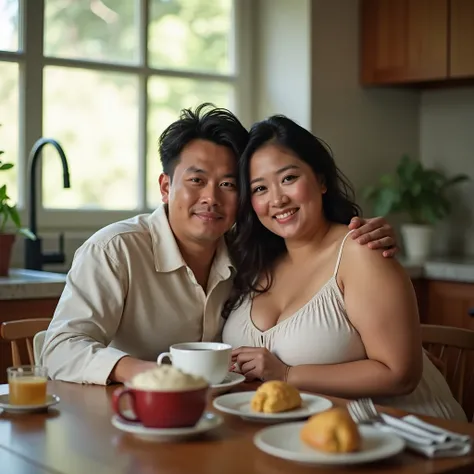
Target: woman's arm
381 305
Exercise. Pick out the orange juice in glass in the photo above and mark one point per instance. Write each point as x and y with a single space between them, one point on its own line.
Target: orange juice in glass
27 385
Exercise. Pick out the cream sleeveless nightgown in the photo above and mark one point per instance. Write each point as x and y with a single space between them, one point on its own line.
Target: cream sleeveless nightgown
321 333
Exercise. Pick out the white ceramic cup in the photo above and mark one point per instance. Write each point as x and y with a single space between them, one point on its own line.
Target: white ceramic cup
210 360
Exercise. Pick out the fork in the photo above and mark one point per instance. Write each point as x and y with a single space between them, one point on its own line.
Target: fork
363 411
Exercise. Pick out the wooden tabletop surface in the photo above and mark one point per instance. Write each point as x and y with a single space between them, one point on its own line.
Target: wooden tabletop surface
77 436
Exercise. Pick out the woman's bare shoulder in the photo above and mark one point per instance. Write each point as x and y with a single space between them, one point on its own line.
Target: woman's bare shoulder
356 257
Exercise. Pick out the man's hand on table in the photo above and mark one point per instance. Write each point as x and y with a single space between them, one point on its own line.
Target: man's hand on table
128 367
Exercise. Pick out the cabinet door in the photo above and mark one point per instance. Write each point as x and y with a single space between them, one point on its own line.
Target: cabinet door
449 304
461 45
404 41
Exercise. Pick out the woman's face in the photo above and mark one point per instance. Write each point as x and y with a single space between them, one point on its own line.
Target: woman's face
286 194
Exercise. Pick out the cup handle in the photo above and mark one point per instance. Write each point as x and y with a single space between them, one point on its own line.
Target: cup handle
116 396
164 355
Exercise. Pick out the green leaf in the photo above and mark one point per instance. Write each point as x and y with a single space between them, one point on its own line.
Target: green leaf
460 178
387 202
369 191
27 233
4 216
388 180
15 217
429 215
6 166
407 169
416 188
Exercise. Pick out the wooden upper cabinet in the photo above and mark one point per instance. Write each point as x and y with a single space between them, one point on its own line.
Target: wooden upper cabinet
461 45
403 41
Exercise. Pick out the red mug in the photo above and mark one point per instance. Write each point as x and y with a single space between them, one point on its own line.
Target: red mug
162 409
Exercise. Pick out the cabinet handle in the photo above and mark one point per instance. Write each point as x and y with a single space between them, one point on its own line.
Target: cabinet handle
471 312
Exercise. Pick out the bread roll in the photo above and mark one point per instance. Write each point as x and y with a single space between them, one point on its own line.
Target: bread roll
332 431
274 397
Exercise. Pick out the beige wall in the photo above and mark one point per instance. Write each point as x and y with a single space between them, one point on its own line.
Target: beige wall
367 129
282 61
447 142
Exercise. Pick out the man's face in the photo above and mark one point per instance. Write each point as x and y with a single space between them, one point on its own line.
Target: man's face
202 193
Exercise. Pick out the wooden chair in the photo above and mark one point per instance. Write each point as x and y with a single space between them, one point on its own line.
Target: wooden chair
445 342
15 331
38 342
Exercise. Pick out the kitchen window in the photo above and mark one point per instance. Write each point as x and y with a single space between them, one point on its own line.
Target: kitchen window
104 78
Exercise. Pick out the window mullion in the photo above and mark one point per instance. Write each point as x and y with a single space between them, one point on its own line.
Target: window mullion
143 104
143 20
31 88
142 140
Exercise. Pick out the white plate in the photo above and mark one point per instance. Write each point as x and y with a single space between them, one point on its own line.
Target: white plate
4 405
208 421
231 380
239 404
283 441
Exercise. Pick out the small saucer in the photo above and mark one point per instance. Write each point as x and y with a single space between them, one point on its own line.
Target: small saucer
51 400
208 421
239 404
231 380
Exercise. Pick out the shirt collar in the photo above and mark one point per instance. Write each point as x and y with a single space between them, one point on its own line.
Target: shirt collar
166 252
222 263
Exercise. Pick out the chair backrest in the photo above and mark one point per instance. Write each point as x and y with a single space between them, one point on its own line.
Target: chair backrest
38 342
24 329
445 342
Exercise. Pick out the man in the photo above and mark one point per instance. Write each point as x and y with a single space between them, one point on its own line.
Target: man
139 285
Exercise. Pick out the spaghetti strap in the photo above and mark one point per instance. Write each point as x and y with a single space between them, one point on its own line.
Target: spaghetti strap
340 253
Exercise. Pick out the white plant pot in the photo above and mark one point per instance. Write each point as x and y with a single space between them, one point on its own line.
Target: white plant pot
417 241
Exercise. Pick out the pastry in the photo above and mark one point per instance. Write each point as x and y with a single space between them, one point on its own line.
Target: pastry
275 396
332 431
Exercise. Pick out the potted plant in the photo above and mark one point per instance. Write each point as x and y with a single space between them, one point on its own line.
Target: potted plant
8 213
419 192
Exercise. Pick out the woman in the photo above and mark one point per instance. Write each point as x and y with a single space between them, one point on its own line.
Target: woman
310 305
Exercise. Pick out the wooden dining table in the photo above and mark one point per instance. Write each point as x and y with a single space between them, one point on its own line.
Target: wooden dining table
77 437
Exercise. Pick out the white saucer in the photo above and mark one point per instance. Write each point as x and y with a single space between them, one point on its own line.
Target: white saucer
239 404
208 421
283 441
231 380
4 405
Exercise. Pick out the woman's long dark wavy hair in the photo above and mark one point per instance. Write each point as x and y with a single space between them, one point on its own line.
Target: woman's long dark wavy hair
253 247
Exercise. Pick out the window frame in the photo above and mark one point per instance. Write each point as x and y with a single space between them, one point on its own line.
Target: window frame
32 62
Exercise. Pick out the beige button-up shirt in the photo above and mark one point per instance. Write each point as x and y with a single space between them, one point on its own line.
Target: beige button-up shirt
129 292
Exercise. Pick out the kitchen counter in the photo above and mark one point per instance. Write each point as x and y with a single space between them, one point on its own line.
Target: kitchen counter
458 269
24 284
